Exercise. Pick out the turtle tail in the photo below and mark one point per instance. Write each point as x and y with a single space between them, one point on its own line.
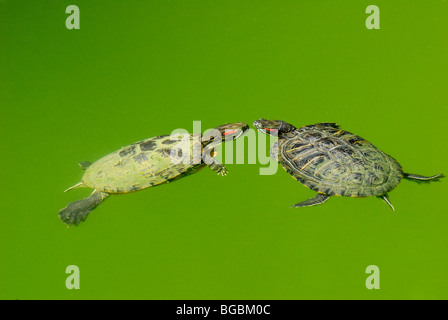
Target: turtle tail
422 179
77 211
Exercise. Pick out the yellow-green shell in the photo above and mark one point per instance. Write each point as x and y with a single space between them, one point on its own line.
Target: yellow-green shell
145 164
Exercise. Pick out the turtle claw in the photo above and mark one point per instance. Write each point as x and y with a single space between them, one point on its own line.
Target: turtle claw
219 169
73 213
223 171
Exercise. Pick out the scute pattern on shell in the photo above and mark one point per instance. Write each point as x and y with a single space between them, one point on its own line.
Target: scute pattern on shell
336 162
144 164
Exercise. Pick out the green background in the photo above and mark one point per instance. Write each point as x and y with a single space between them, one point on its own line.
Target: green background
138 69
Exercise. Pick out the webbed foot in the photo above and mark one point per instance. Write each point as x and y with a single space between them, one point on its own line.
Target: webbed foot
219 169
77 211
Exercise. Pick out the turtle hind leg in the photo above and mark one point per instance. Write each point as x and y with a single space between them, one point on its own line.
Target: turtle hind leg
77 211
423 179
385 198
318 199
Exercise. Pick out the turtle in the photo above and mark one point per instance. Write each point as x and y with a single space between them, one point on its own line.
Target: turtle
148 163
334 162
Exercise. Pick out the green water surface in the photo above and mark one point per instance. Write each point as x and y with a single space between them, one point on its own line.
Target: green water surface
137 69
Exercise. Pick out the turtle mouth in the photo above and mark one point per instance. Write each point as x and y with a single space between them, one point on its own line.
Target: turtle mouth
238 133
235 132
243 130
262 126
258 124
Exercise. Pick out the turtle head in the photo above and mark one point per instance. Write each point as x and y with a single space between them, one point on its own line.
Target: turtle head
226 132
273 127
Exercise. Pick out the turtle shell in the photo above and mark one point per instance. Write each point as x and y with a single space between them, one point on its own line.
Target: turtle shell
146 163
336 162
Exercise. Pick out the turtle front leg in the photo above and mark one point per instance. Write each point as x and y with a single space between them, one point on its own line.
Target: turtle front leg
212 163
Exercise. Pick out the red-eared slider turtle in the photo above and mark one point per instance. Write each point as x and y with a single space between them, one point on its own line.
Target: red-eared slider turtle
148 163
334 162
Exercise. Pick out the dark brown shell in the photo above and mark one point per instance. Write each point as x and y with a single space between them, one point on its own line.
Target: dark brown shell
336 162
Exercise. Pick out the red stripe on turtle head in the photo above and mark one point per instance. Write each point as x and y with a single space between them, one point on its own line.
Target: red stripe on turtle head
227 132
